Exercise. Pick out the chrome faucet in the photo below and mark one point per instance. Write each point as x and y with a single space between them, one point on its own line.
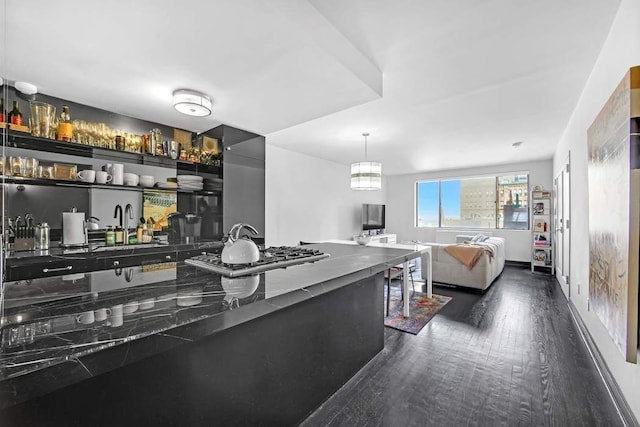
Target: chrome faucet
128 214
117 212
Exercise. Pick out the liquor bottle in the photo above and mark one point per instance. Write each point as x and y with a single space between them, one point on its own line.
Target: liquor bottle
15 116
2 118
65 127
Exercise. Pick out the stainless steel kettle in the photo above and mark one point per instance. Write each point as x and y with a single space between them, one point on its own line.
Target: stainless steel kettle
240 250
92 223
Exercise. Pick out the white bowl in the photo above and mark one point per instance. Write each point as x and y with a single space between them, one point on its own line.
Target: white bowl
130 307
147 180
362 240
189 297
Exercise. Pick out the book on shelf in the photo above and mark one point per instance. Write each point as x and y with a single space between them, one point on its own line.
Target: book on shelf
538 208
540 225
541 194
540 256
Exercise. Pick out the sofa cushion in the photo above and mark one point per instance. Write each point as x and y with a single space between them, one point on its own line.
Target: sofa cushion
476 238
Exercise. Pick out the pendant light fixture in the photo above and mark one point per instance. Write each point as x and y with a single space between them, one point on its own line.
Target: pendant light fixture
366 175
191 102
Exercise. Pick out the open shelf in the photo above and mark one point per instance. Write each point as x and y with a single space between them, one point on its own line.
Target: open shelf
80 184
30 142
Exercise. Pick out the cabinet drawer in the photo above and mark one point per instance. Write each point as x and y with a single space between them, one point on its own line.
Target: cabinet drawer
57 267
105 263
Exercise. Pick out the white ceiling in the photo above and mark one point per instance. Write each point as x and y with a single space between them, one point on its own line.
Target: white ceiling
439 84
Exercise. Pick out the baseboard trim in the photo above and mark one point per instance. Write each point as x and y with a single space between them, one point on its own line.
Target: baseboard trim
625 412
518 263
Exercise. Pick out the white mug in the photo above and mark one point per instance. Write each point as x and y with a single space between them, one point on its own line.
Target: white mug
86 318
131 179
86 175
117 174
103 177
101 314
116 315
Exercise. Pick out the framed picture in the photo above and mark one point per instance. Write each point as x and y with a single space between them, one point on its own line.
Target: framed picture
159 204
538 208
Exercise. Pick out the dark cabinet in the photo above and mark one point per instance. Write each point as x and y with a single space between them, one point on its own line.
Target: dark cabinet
243 177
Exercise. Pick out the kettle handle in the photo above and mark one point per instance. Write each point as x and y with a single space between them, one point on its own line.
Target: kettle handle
234 233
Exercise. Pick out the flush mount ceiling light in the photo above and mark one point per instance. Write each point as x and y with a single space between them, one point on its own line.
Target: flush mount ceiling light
26 88
191 102
366 175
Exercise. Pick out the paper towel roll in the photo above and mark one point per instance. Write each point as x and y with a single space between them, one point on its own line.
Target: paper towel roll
73 230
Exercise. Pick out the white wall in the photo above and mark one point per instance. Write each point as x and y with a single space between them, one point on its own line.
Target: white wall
401 204
620 52
309 199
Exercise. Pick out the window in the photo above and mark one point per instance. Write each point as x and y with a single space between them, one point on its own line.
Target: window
487 202
428 202
513 202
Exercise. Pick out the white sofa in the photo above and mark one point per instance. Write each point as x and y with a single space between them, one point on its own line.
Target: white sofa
447 269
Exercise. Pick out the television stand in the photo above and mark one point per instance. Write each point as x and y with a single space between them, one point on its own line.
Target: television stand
384 238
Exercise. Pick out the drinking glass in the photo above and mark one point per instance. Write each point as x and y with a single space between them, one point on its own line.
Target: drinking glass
42 119
31 167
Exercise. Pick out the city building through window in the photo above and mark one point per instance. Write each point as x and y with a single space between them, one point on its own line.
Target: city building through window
485 202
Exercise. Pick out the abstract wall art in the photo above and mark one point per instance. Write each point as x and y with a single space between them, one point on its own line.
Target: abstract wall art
614 214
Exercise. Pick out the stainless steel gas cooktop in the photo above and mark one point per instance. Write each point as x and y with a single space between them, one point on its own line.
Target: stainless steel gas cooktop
270 258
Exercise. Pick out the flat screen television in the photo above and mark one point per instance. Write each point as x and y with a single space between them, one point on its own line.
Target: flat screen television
372 217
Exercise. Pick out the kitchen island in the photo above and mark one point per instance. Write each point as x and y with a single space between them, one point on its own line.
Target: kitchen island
190 347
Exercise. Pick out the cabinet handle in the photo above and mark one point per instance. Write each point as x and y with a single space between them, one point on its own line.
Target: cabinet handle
116 263
168 257
50 270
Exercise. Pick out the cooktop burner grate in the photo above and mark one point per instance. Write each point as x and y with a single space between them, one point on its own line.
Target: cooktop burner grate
270 258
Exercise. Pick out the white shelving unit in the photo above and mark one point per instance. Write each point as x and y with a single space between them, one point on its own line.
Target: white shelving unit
541 231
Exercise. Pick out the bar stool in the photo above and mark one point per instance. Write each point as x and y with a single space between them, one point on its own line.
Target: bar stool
392 273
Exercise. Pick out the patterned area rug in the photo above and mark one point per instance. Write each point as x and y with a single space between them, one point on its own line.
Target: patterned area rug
421 310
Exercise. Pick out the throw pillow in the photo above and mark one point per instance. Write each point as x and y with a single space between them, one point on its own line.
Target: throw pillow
476 238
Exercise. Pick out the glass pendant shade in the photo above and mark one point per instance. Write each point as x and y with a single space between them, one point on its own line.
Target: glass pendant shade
366 176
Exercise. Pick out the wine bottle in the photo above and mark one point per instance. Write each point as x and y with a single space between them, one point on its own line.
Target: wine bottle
65 127
15 116
2 118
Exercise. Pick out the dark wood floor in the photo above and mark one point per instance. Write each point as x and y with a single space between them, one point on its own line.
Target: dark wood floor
512 356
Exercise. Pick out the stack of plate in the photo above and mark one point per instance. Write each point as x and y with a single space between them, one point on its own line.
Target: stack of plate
190 182
167 185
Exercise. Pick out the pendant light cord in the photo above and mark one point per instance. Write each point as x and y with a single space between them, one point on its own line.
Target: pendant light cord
366 134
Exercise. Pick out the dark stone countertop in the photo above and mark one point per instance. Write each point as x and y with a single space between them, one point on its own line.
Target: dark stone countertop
102 250
46 343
